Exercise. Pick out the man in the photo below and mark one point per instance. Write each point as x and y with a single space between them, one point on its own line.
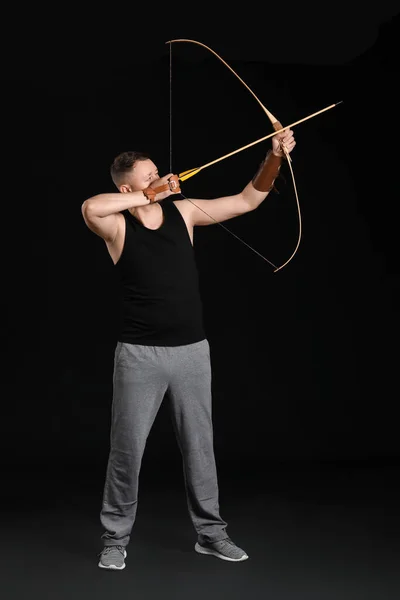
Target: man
162 346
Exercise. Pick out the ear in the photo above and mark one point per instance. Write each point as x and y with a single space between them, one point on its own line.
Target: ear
124 189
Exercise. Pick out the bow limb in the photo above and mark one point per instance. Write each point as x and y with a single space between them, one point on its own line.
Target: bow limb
275 124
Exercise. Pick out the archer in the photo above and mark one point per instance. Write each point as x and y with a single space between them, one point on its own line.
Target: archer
162 345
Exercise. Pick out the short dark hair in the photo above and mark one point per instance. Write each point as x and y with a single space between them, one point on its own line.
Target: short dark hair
124 163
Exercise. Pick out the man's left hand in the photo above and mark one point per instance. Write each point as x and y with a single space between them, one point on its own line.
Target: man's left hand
284 140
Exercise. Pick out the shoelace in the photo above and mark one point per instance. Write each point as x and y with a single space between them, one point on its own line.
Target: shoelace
226 540
108 549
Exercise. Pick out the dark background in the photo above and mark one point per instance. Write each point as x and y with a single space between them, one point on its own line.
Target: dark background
305 360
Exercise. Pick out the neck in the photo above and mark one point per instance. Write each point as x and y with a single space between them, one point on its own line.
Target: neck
143 210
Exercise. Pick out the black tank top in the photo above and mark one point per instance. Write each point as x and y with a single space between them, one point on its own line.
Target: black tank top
158 281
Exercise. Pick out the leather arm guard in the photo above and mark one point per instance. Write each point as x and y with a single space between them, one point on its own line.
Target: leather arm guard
173 185
263 180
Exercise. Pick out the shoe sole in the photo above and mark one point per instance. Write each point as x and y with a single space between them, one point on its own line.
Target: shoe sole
114 567
211 552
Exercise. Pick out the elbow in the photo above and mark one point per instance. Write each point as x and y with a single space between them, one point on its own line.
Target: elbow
247 201
251 204
86 206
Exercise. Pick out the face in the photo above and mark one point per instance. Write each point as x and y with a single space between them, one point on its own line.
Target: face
143 173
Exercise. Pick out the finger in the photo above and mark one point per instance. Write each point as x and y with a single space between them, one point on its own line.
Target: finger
288 145
287 132
288 136
286 141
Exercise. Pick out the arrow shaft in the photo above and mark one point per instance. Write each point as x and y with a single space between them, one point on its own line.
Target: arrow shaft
266 137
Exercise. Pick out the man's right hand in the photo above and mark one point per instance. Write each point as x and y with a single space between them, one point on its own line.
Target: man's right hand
171 184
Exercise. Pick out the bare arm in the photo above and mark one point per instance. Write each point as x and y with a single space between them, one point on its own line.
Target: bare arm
252 196
254 193
207 212
100 212
104 205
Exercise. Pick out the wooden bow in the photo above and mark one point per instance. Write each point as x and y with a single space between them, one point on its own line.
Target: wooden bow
277 127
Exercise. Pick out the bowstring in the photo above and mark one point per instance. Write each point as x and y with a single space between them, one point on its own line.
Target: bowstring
171 171
170 108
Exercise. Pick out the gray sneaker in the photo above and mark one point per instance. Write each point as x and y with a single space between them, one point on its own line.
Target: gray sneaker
225 549
112 557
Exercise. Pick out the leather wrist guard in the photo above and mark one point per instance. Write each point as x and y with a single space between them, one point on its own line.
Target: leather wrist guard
150 194
173 185
263 180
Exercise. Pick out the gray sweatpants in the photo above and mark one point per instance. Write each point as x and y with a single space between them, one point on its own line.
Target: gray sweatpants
142 376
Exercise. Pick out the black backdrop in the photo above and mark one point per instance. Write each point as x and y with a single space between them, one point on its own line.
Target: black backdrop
304 360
